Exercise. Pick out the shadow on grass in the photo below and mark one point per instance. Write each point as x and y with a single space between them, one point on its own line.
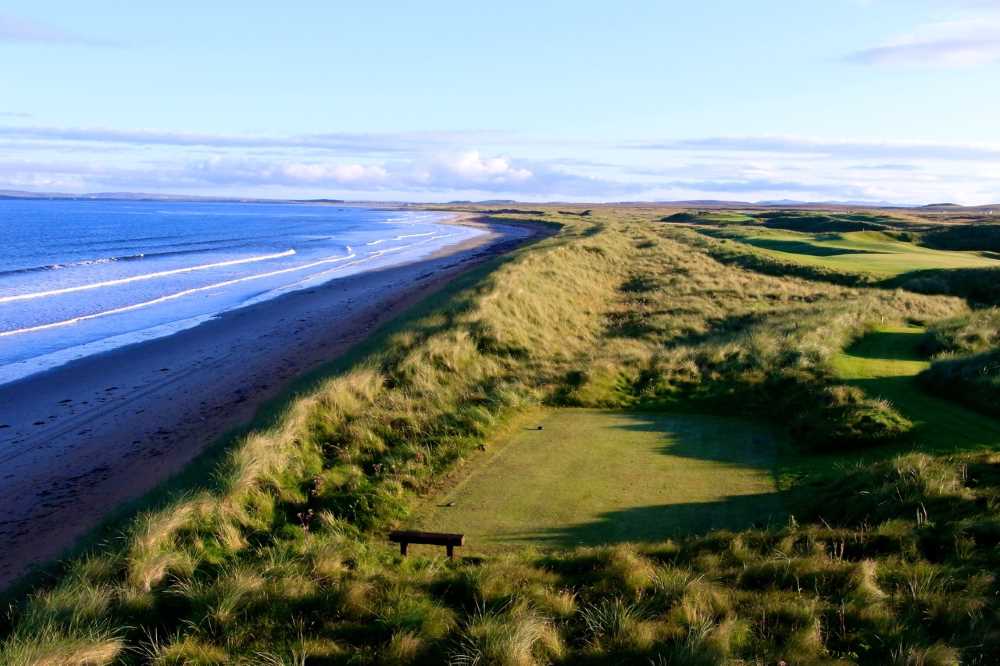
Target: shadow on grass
756 450
889 346
731 443
802 247
941 424
657 523
980 286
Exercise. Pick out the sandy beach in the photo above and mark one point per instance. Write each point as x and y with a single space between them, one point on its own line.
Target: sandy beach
79 440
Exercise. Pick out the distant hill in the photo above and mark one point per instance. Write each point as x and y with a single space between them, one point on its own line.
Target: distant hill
792 203
17 194
991 209
707 203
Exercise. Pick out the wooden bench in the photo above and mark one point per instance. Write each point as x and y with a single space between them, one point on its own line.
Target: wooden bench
406 537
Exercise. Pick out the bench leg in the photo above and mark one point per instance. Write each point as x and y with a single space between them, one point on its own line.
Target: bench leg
451 552
402 548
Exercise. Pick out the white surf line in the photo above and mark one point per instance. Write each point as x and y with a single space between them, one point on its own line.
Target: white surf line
369 257
400 248
147 276
400 237
174 296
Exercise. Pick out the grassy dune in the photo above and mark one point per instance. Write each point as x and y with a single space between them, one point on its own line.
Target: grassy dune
281 557
590 477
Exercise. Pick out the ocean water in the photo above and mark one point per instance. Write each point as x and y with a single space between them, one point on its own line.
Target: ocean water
81 277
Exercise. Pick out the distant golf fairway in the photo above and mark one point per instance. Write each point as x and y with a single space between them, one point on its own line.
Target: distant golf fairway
594 476
885 363
856 252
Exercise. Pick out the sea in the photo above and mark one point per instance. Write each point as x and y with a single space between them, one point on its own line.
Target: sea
80 277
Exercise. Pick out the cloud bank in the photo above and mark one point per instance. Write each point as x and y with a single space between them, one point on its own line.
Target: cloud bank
434 166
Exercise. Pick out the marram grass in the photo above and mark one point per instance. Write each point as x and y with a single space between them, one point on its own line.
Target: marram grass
283 561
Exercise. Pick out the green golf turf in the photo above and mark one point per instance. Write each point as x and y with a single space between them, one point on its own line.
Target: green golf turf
592 476
857 252
885 364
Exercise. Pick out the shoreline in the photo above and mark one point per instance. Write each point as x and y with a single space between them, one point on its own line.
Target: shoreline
62 329
84 438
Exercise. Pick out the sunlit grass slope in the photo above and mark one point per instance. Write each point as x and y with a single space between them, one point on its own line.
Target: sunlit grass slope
869 252
595 476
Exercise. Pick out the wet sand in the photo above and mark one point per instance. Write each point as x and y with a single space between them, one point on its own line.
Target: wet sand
79 440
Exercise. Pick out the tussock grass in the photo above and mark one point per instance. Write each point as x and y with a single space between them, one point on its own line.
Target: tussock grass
968 360
515 636
974 333
282 561
49 645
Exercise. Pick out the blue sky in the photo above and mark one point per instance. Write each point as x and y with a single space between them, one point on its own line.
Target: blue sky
839 100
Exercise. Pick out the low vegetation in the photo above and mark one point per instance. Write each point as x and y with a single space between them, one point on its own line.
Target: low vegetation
980 286
281 559
792 220
968 237
967 367
974 380
972 333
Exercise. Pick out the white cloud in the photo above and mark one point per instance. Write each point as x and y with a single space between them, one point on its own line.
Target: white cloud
338 173
471 168
963 42
465 171
228 171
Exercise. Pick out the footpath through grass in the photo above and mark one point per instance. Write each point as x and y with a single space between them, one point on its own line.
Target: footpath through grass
594 476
